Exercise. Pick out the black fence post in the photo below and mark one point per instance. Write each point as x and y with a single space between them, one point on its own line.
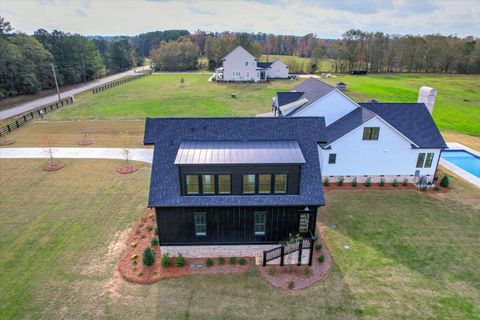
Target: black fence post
282 250
300 245
311 252
264 258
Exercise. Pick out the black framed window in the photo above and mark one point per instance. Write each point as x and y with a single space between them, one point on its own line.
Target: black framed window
280 183
264 183
260 222
429 160
248 183
371 133
192 184
420 160
332 158
200 219
304 223
224 184
208 184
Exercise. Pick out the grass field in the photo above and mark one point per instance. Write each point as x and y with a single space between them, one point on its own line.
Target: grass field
412 255
457 106
325 65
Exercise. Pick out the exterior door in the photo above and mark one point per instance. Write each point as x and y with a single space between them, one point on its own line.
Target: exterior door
304 222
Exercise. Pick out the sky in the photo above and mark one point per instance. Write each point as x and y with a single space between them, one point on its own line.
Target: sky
326 19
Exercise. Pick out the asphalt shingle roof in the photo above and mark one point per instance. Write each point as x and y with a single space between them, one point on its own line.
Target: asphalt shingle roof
313 89
413 120
288 97
168 133
264 65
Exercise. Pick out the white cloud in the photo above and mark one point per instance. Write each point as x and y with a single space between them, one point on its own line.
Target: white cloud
326 19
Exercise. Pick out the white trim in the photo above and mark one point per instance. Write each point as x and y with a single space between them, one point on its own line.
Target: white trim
236 50
321 98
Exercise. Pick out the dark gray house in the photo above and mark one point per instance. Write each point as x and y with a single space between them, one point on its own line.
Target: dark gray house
231 181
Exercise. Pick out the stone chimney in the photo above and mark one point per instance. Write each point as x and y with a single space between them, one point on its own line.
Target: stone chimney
427 95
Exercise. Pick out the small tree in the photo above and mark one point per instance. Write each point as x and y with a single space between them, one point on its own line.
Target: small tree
445 182
148 257
84 128
291 241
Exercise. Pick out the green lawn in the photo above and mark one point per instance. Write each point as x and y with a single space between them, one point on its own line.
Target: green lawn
411 255
457 106
325 65
164 96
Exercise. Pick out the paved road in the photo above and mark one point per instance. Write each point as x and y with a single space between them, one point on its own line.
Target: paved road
143 155
24 107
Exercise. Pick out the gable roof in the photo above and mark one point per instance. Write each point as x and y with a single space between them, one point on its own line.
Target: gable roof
264 65
313 89
167 134
346 124
413 120
236 49
284 98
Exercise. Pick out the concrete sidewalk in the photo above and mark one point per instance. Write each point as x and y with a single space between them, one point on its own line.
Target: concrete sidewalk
142 155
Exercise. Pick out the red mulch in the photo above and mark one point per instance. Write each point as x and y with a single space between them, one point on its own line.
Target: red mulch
387 186
127 169
53 166
85 142
142 235
299 275
6 142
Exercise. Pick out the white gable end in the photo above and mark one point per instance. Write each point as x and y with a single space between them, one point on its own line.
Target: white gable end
332 106
240 65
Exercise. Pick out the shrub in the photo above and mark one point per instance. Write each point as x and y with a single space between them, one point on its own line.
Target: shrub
318 246
133 244
166 261
182 80
154 241
233 260
382 182
321 258
368 182
150 227
148 257
340 181
179 261
395 182
134 256
221 261
445 182
242 261
140 273
271 271
291 285
354 182
156 231
326 182
209 262
405 182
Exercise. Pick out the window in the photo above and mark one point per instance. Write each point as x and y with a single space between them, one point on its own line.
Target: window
264 183
248 183
246 63
371 133
280 183
428 162
303 223
200 223
260 219
208 184
192 184
420 160
332 158
224 184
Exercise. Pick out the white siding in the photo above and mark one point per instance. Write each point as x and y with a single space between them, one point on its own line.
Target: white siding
390 155
332 106
277 70
240 65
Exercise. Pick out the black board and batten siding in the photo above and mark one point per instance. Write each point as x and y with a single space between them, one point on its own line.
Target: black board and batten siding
229 225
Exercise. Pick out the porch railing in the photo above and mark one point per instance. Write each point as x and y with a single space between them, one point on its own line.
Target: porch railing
283 250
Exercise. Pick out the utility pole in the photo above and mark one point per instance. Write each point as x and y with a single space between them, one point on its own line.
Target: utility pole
56 83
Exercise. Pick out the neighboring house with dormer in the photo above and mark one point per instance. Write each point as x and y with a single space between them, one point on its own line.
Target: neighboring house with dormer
241 66
368 140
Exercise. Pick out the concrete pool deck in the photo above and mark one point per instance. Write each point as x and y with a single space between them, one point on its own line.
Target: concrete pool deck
457 170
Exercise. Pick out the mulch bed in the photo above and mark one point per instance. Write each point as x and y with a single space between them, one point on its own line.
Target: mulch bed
6 142
387 186
140 274
127 169
53 166
85 142
301 276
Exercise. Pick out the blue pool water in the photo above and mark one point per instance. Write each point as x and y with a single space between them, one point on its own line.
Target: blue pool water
464 160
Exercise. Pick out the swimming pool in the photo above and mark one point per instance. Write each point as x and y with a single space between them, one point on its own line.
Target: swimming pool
463 159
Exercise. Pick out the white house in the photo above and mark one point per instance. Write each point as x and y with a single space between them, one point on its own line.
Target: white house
375 140
239 65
